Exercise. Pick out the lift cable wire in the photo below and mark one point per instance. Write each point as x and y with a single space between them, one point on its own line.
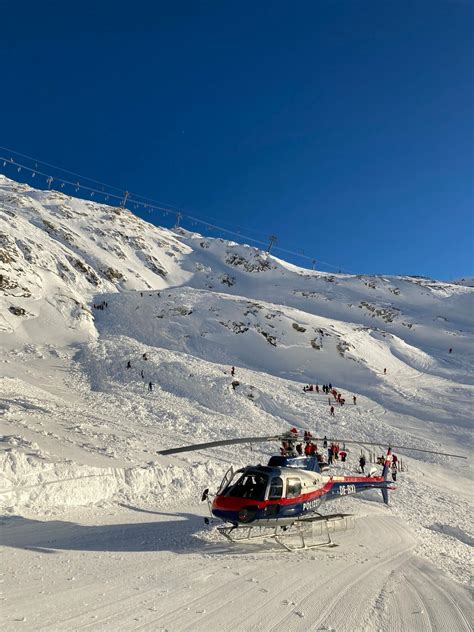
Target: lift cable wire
135 200
148 201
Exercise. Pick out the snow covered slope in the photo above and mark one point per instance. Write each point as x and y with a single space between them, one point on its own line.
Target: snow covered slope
85 289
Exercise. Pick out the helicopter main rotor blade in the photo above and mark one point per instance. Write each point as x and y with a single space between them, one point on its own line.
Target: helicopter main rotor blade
215 444
296 438
397 447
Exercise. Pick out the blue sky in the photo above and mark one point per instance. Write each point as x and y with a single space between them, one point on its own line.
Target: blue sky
343 127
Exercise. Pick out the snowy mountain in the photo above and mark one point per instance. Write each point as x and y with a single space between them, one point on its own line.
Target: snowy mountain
86 289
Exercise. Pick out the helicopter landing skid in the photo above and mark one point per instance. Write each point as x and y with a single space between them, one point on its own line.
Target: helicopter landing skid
324 525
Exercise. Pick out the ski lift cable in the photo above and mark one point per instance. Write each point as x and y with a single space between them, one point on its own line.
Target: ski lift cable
47 175
205 219
72 173
132 198
136 197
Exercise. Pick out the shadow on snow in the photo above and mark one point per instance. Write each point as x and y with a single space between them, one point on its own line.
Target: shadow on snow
178 534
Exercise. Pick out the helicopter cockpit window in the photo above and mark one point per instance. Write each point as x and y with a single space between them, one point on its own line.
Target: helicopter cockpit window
293 487
276 489
251 485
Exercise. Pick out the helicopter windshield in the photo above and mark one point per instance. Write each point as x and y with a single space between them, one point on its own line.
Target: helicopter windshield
252 485
229 475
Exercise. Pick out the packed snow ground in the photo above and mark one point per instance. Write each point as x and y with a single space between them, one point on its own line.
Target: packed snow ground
99 531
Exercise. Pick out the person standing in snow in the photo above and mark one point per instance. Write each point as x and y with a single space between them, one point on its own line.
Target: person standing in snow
394 471
332 411
343 455
362 463
325 442
142 374
385 371
450 350
150 387
232 371
129 365
354 399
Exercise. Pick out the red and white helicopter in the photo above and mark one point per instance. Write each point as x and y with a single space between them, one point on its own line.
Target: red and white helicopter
266 501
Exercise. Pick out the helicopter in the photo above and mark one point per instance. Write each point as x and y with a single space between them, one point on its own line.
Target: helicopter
284 496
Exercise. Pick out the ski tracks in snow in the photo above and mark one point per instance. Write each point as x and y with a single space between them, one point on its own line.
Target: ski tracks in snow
371 583
417 599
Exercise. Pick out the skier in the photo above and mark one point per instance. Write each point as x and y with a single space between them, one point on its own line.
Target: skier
325 442
317 388
332 411
354 399
385 371
150 387
330 456
142 374
144 356
232 371
129 365
343 455
362 463
450 350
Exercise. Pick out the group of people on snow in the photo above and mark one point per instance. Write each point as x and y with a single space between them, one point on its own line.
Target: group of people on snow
101 306
293 446
331 392
142 372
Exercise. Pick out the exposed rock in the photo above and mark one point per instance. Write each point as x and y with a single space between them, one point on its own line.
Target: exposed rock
17 311
112 275
226 279
298 327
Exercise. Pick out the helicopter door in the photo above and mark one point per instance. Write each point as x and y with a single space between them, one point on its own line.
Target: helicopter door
274 493
226 480
276 488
